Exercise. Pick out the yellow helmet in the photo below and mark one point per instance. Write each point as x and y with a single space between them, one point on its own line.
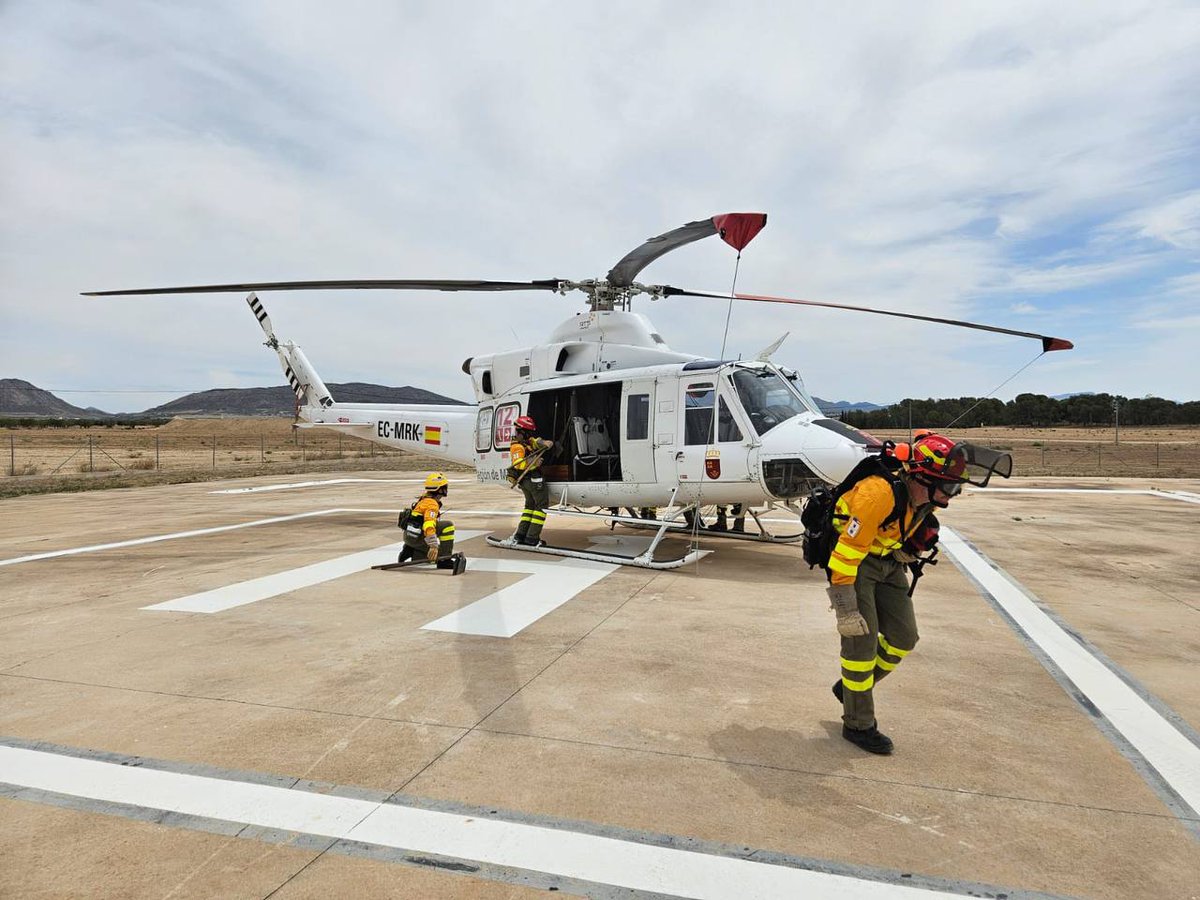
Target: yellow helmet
435 480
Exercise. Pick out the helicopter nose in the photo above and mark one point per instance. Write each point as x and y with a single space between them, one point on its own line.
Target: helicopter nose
798 454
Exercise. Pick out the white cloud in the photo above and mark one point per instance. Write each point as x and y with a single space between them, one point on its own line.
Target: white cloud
957 160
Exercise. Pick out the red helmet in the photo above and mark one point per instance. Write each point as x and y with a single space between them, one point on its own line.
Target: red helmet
935 456
525 423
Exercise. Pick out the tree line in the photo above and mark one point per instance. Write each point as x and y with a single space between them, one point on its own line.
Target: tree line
1034 410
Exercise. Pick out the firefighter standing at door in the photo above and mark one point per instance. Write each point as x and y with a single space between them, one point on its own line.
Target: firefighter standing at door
525 472
883 523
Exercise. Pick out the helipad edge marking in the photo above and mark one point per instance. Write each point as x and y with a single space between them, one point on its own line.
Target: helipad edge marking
1164 748
575 855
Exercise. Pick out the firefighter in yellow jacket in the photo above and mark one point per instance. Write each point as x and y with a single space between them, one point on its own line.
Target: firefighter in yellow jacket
877 521
426 533
525 471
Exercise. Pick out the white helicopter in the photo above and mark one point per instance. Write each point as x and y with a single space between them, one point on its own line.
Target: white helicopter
636 425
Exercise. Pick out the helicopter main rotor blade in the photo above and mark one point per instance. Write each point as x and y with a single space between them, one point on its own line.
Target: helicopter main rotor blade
1048 343
442 284
736 229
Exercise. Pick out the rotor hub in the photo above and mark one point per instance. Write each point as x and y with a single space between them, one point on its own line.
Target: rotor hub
606 297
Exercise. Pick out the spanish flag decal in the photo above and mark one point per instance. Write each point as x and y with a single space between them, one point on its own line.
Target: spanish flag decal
433 434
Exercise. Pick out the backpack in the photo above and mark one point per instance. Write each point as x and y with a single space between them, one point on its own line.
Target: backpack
820 537
405 515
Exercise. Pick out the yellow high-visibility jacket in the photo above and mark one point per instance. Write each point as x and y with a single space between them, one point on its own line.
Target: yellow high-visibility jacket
427 509
519 451
858 517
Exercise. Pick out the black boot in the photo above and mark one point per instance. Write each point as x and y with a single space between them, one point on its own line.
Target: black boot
869 739
839 691
405 554
455 562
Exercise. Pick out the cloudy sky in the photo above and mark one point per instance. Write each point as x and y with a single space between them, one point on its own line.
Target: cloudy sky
1029 165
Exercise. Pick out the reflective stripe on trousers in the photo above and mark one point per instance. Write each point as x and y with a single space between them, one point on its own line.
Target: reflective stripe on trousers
882 591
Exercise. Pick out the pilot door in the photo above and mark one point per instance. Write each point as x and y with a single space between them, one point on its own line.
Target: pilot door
637 433
712 446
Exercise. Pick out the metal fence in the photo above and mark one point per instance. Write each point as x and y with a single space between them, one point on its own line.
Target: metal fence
52 452
46 453
1146 458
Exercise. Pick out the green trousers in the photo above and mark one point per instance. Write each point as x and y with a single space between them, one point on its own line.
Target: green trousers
882 589
414 540
533 516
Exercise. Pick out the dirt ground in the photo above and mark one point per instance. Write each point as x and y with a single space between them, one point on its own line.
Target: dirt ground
225 447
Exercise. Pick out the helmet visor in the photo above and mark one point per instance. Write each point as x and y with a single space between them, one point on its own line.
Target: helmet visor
976 465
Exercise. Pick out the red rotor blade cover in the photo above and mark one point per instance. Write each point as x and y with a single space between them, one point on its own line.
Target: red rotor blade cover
739 229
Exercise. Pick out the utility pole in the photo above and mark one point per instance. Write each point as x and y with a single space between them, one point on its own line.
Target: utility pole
1116 420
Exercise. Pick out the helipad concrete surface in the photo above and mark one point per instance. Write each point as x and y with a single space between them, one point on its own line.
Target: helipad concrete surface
205 691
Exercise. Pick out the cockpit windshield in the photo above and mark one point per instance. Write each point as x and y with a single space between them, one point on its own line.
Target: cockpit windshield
797 385
767 398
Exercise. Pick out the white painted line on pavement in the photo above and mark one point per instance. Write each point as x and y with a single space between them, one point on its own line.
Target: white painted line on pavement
305 484
585 857
165 537
233 595
1185 496
1170 753
200 532
514 608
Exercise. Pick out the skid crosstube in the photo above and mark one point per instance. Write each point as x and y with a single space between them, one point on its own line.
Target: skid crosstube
761 536
619 559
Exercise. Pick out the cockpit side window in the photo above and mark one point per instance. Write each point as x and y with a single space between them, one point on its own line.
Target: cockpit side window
727 426
698 413
767 399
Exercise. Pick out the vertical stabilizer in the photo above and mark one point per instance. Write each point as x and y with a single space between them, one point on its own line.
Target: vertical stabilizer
310 390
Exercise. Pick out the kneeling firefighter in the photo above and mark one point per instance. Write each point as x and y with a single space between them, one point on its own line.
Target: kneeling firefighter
426 533
875 524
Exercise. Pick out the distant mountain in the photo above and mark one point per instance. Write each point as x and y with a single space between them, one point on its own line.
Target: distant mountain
20 398
280 401
829 406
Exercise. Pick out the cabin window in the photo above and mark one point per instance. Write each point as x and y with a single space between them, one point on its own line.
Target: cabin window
486 382
698 413
483 430
727 427
637 417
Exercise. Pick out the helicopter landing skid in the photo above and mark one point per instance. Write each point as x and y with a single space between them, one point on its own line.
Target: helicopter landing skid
643 561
